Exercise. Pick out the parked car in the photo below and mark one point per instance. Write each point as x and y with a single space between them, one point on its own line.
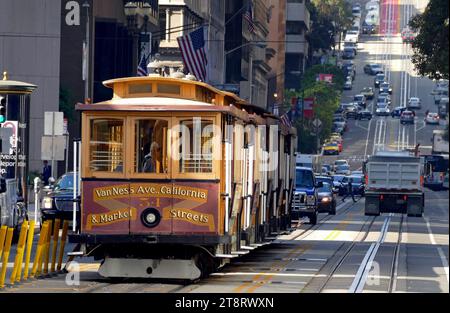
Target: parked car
368 29
368 93
407 117
382 110
58 201
305 200
365 114
379 78
385 87
414 103
373 69
351 35
432 118
360 100
397 112
348 85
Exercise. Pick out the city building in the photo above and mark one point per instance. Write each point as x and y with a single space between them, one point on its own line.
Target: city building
297 47
30 45
247 56
180 17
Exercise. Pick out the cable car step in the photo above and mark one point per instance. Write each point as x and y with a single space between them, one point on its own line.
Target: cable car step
226 256
240 252
75 253
248 248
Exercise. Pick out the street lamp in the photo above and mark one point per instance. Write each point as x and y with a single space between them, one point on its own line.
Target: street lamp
138 14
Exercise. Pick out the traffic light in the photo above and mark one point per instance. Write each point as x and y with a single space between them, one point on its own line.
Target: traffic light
2 110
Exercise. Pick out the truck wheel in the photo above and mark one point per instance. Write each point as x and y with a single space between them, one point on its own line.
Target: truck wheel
372 214
333 211
313 219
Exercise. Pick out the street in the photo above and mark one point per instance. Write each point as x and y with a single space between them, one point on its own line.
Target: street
344 253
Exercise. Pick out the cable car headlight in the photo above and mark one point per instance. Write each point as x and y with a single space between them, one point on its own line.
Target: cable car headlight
47 203
150 217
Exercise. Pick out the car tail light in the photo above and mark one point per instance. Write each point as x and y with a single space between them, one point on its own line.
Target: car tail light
382 197
405 197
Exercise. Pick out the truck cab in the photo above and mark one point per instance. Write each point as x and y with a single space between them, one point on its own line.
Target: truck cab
305 200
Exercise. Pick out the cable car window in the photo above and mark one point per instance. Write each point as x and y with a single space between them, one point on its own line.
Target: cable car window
106 145
139 88
196 146
169 88
150 154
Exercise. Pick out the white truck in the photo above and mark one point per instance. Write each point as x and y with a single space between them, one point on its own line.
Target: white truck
439 145
312 161
394 184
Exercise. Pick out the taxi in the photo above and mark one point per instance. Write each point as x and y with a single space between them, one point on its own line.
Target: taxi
331 148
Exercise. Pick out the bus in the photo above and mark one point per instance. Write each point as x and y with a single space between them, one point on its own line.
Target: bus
178 177
435 168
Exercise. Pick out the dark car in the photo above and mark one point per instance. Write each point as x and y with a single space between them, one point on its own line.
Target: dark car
396 112
373 69
58 202
358 185
352 114
327 198
385 87
368 29
366 114
379 78
351 45
348 53
407 117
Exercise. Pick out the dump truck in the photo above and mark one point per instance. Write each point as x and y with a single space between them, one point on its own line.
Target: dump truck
394 183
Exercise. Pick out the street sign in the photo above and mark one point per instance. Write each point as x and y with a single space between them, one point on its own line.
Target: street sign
53 123
55 144
316 126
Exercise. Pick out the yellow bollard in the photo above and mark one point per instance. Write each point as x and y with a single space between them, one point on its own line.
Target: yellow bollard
7 248
47 246
63 244
2 239
28 251
19 253
40 247
55 243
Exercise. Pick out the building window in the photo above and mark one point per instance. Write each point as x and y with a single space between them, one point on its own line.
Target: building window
150 137
162 25
295 1
294 28
106 145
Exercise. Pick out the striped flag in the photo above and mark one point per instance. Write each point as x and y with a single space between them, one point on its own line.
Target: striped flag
285 120
248 16
192 47
142 67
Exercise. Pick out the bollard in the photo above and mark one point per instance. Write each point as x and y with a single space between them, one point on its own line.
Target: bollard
63 243
19 253
28 252
2 238
7 248
47 246
55 243
40 247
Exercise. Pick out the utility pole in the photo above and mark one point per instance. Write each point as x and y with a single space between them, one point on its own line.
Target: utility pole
87 53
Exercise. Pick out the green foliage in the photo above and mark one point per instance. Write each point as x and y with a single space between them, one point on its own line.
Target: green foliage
327 98
65 104
431 43
321 36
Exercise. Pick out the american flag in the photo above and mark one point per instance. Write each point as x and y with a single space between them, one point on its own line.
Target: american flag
248 16
142 67
192 47
286 120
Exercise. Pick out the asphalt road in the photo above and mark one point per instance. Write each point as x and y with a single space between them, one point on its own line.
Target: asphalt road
348 252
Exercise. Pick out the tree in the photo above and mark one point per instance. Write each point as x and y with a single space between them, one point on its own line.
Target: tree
321 36
430 46
65 104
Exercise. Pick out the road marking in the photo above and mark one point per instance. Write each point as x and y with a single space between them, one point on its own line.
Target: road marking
367 139
366 265
441 253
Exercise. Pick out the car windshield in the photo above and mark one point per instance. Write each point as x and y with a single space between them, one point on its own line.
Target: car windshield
407 114
384 85
355 179
382 100
325 188
380 77
367 89
359 98
65 182
304 178
343 167
338 178
381 105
